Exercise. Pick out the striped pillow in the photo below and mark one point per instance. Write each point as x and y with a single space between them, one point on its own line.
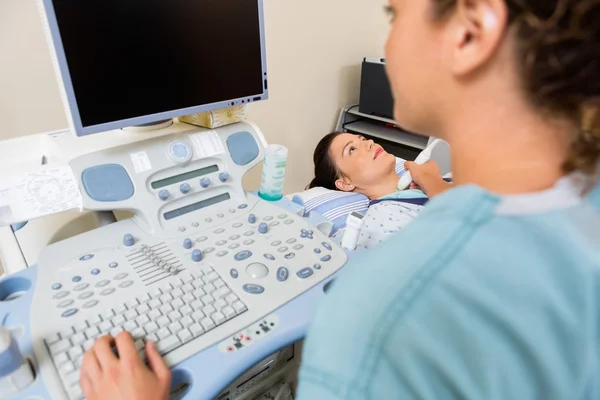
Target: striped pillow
335 206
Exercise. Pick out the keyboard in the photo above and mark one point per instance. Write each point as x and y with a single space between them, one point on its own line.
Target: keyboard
170 315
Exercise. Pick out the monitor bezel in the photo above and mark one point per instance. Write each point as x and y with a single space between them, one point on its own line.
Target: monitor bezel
63 75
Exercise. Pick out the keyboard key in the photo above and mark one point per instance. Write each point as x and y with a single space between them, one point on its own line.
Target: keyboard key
143 309
186 310
138 333
207 324
144 298
208 299
55 337
175 316
88 344
198 316
78 338
116 330
67 368
239 307
105 327
108 314
92 332
175 328
75 352
199 293
163 321
130 326
166 308
187 288
151 327
189 297
185 336
212 276
177 293
221 292
133 303
177 304
131 315
142 320
208 310
231 298
219 283
154 314
168 344
152 337
95 320
229 312
60 359
218 318
155 293
67 333
163 333
121 308
209 288
60 347
186 321
220 303
118 320
154 303
196 330
166 298
196 305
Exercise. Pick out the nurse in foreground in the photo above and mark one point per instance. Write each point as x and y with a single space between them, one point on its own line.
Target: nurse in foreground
496 294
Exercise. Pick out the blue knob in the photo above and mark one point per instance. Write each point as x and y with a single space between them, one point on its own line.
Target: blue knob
204 182
185 188
224 176
263 228
196 255
163 194
187 244
128 240
251 218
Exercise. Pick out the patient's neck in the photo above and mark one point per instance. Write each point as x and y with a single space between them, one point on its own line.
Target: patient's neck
386 186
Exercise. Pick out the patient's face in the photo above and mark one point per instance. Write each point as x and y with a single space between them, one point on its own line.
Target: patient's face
361 161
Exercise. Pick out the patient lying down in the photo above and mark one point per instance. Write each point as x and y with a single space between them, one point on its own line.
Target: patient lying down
351 163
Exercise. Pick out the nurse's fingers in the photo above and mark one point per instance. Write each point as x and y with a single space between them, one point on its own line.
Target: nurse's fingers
90 366
104 353
127 351
157 364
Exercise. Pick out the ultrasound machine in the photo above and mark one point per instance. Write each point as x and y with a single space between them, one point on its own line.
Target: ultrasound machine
225 282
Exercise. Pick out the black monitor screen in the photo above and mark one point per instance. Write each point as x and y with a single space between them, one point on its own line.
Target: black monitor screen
134 58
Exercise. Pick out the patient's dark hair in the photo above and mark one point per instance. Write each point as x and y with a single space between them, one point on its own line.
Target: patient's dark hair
558 44
326 173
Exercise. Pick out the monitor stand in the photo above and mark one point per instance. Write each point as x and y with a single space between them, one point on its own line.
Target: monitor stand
153 126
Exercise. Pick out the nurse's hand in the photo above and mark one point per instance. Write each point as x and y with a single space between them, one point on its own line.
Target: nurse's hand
106 377
428 177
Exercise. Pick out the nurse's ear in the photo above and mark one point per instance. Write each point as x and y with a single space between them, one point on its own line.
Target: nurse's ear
344 185
478 30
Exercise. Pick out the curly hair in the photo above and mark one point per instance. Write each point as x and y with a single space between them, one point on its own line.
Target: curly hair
559 53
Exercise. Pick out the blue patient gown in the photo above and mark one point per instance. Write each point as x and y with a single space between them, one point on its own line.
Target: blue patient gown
489 298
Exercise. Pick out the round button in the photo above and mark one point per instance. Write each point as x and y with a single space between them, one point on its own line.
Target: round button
56 286
195 224
276 243
252 218
65 303
263 228
288 221
187 243
70 312
81 287
220 215
234 237
317 266
202 239
243 206
121 276
234 273
113 265
248 242
234 246
224 176
209 250
208 220
282 216
196 255
128 240
221 242
205 182
95 271
163 194
181 229
180 151
222 253
268 218
257 270
298 247
184 188
219 231
86 257
290 241
274 223
76 279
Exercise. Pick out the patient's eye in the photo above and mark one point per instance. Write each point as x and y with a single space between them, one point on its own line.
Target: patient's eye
389 10
351 150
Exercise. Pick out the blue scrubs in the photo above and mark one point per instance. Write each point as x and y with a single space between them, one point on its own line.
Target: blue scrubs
481 297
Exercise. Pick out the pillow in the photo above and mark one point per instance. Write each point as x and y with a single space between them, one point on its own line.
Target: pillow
335 205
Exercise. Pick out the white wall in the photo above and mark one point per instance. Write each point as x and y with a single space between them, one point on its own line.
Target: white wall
314 52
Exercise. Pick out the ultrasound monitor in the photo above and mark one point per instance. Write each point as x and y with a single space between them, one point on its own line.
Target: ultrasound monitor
139 62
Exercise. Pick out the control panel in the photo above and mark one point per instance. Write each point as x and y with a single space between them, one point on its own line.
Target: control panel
201 264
